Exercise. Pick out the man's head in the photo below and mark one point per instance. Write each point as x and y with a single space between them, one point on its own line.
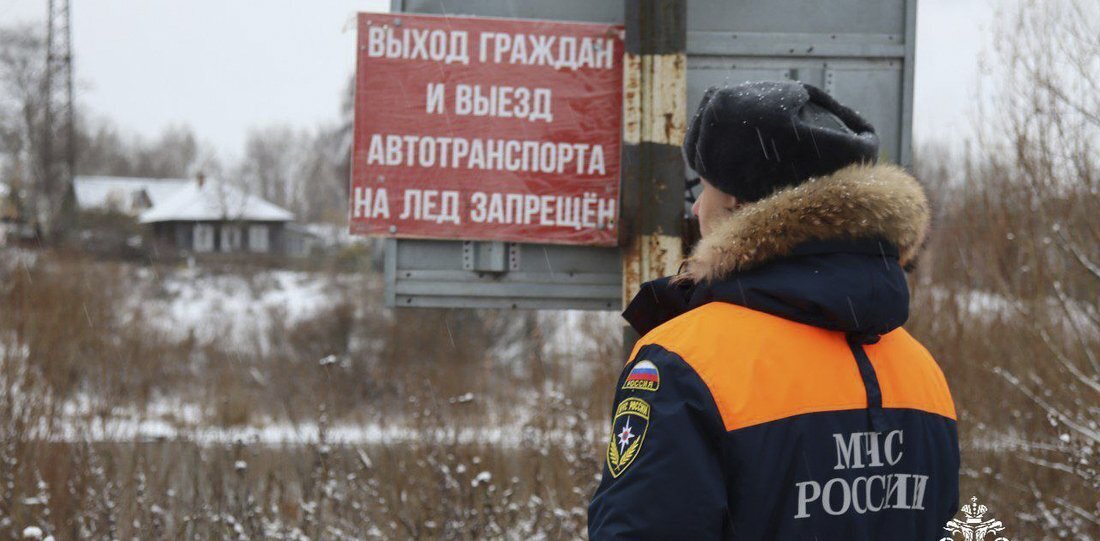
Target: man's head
749 140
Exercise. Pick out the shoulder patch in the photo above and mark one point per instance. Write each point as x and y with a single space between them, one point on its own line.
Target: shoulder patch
643 377
628 429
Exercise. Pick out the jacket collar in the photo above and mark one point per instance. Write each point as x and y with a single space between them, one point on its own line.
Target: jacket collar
856 202
827 253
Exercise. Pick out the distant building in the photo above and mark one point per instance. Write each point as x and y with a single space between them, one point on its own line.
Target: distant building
301 240
214 217
126 195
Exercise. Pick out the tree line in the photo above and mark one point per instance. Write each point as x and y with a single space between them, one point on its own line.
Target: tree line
302 169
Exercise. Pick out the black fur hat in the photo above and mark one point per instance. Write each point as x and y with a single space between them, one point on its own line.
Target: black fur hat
752 139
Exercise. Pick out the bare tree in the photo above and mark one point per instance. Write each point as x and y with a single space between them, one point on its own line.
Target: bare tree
103 150
273 162
304 172
329 165
22 67
174 154
1047 123
326 172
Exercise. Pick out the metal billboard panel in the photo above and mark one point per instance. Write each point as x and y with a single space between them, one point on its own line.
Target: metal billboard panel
474 274
859 50
604 11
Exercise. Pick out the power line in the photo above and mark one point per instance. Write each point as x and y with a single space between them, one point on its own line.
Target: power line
59 133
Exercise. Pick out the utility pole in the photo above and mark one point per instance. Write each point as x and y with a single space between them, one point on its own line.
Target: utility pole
654 120
58 130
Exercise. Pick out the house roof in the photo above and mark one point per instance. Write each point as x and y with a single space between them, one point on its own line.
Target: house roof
121 193
214 201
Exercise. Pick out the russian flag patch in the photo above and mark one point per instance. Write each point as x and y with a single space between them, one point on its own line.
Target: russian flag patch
643 377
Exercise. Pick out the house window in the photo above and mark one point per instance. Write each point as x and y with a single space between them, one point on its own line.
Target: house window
204 238
231 238
258 239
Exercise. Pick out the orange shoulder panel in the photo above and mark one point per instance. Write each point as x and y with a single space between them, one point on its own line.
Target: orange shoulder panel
762 368
908 375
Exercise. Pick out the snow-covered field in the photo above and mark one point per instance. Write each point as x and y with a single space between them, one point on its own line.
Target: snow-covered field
124 430
237 310
241 312
176 420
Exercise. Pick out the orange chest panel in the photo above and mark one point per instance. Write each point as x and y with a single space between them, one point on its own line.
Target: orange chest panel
762 368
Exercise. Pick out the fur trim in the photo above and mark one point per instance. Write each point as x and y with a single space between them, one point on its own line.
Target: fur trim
858 201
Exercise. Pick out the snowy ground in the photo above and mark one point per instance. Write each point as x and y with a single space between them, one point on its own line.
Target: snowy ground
236 310
241 311
119 430
173 420
988 306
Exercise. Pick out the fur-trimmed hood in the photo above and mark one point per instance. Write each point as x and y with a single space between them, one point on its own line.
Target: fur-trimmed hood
857 202
827 253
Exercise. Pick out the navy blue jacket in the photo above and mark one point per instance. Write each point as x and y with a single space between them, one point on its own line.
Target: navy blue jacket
775 395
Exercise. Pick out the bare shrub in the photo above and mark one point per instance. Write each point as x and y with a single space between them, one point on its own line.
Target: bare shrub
66 312
1007 297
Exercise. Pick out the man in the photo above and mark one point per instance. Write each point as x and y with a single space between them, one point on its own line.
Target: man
774 394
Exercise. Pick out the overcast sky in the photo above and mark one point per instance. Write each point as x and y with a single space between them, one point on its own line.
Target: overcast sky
225 66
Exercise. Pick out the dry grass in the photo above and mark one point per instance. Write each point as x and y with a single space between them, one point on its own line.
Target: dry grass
76 350
1004 304
180 490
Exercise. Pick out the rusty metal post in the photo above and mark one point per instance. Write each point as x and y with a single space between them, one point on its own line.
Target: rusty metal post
654 117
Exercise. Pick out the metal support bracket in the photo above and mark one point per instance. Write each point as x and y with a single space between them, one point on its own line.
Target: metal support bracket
489 256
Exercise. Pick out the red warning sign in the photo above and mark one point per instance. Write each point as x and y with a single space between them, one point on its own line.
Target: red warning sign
487 129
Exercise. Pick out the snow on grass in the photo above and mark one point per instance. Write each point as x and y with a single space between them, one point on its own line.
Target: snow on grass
238 311
566 330
121 430
1074 316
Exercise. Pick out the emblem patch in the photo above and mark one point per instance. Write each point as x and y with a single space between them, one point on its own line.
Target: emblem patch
643 377
628 429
